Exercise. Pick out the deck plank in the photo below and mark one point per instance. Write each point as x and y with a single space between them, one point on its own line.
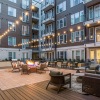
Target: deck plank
38 92
3 95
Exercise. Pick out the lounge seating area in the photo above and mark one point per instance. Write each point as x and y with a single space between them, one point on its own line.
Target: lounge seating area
60 75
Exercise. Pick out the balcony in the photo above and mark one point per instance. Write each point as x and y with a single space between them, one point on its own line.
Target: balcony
89 3
48 6
35 27
48 20
48 34
92 22
48 49
35 17
35 49
86 1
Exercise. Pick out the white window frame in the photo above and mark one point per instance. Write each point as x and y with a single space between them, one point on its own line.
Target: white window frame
10 11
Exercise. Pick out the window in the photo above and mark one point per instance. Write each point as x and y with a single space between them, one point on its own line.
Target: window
61 54
97 11
98 34
0 7
25 30
91 33
72 37
77 54
72 54
82 54
25 4
11 11
81 16
91 13
75 2
14 1
25 56
77 36
77 17
61 7
11 41
25 45
61 23
0 23
11 25
25 17
11 55
62 39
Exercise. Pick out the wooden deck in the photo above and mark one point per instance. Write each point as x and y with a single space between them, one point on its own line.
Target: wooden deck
38 92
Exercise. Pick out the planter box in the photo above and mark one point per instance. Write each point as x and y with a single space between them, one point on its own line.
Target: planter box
4 64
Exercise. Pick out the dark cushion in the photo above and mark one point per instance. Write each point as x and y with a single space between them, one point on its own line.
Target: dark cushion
93 66
52 72
90 71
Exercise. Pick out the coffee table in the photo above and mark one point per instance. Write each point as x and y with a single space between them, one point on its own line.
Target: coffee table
79 68
79 77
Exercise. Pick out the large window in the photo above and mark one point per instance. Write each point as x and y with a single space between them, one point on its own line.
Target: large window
61 23
0 7
91 13
75 2
91 33
11 25
98 34
25 4
14 1
11 41
77 36
61 7
62 55
25 17
24 45
25 30
11 11
77 17
77 54
11 55
97 11
62 39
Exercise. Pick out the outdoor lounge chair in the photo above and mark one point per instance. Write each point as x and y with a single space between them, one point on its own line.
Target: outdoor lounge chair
59 80
42 68
15 66
25 69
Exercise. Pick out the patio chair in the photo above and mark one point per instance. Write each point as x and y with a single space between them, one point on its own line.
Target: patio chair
42 68
25 69
59 80
59 64
15 66
64 64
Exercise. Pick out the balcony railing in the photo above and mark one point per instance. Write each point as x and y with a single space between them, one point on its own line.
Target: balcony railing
48 20
35 15
47 6
86 1
35 27
92 21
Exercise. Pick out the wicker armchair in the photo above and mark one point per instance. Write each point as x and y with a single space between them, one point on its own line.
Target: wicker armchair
91 84
60 80
64 64
25 69
15 66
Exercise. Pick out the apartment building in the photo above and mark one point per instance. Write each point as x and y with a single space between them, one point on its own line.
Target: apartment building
67 37
36 28
10 11
92 25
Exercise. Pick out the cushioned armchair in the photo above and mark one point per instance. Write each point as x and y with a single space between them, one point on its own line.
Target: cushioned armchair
92 68
59 80
98 69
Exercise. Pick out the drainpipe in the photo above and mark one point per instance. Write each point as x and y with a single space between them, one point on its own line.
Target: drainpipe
55 30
